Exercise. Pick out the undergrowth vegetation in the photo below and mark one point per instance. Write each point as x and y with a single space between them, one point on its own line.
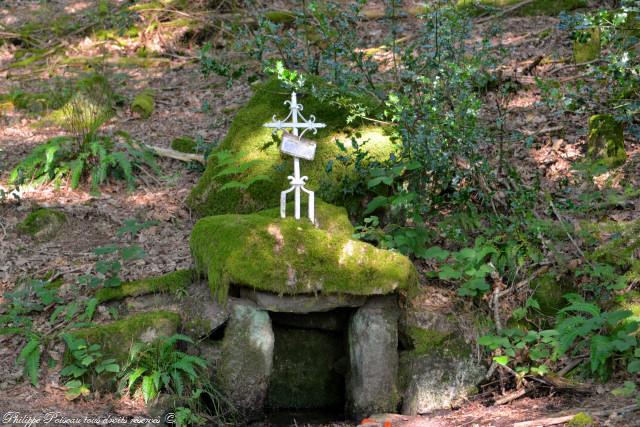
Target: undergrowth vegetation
84 153
449 195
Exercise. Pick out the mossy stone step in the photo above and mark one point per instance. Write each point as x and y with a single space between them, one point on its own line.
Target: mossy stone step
116 338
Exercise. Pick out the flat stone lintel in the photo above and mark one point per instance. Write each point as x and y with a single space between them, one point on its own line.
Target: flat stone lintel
301 303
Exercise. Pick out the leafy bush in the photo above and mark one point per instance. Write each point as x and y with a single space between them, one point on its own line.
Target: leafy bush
159 366
98 158
84 153
581 329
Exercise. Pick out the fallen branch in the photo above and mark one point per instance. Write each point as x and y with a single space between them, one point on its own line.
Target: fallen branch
542 131
552 421
505 11
542 422
580 64
173 154
511 396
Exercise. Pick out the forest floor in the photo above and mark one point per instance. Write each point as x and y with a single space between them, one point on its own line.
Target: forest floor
189 104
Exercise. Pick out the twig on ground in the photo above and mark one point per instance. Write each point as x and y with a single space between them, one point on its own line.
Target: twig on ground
551 421
505 11
542 131
512 396
580 64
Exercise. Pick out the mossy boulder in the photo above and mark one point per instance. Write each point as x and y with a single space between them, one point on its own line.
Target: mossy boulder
589 49
285 256
116 338
537 7
372 382
247 358
167 283
184 144
606 140
42 224
249 140
303 375
437 379
549 292
180 292
144 103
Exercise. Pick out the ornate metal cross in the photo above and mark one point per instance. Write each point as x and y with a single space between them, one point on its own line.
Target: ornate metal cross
295 146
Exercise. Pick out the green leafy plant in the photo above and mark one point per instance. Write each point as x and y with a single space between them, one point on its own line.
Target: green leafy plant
581 329
84 153
233 166
86 363
468 267
159 366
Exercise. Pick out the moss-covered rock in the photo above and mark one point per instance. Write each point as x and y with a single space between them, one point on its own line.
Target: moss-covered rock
303 375
581 420
247 358
247 137
588 50
116 338
170 283
537 7
372 383
549 291
606 140
438 379
184 144
180 292
42 223
144 103
286 256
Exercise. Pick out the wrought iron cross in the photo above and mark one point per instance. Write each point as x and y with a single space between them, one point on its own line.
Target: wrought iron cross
297 182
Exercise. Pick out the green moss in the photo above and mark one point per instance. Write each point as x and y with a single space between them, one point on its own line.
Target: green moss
144 103
606 140
248 136
280 16
588 50
116 338
538 7
424 340
549 294
581 420
331 218
42 223
293 257
170 282
184 144
303 374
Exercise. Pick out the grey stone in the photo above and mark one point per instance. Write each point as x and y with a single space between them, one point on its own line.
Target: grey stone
373 357
200 314
301 303
335 320
438 380
247 357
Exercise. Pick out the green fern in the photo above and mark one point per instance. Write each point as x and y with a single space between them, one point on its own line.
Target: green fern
159 366
30 357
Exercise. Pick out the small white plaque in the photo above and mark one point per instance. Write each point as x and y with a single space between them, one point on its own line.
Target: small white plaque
298 147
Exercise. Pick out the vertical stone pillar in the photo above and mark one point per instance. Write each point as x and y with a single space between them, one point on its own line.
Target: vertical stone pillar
247 357
373 355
